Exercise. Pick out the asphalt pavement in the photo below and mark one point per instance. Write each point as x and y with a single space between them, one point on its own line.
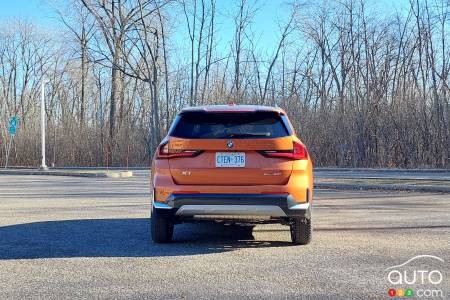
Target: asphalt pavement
69 237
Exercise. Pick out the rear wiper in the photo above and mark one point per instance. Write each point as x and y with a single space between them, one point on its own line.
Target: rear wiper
248 134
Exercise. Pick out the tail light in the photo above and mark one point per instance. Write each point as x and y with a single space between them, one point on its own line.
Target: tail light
165 152
298 152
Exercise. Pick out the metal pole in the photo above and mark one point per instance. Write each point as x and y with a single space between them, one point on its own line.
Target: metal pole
43 165
8 150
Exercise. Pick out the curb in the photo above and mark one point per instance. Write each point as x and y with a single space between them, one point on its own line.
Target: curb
442 178
124 174
335 169
384 187
336 186
78 168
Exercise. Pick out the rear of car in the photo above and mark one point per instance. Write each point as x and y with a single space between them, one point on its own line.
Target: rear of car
235 164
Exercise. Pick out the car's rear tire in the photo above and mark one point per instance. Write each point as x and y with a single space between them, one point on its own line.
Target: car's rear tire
161 227
301 231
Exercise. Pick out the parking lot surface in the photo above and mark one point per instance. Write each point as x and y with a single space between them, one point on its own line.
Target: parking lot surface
64 237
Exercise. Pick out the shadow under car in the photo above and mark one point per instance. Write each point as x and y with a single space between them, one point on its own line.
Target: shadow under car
117 238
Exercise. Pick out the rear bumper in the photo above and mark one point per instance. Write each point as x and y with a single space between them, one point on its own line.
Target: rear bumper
278 205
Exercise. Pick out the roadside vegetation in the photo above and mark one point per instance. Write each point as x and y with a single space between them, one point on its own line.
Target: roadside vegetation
363 88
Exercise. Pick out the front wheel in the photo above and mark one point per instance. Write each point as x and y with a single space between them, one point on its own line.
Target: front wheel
301 231
161 227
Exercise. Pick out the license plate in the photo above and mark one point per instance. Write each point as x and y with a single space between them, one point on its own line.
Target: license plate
230 159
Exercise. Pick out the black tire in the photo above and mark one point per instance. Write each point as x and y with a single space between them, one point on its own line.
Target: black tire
301 231
161 228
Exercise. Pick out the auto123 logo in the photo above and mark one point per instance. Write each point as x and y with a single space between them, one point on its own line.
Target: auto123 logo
420 276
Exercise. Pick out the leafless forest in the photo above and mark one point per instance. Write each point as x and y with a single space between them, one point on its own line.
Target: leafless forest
363 89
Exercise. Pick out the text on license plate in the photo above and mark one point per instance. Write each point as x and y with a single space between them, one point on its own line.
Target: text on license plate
230 159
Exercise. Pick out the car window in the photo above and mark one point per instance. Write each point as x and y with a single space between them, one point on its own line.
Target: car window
206 125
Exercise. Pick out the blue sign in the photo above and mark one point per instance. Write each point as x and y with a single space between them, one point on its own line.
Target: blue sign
12 125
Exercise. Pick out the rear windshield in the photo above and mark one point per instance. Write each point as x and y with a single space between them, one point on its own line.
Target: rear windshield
205 125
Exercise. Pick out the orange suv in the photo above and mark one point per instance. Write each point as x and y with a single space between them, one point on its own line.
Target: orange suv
237 164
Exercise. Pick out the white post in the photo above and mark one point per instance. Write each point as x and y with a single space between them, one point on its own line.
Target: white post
43 165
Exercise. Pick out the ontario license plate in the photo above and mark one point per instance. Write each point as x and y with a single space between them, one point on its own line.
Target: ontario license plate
230 159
